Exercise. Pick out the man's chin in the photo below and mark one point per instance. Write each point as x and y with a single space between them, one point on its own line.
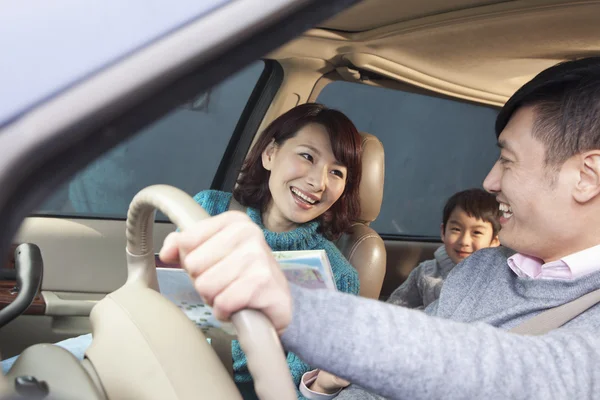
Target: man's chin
505 240
512 242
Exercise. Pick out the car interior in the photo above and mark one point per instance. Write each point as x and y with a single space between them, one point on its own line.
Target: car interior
422 80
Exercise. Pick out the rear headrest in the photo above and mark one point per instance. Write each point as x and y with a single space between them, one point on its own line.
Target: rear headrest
371 183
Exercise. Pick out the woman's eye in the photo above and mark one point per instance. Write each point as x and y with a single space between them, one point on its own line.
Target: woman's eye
307 156
338 173
477 233
503 160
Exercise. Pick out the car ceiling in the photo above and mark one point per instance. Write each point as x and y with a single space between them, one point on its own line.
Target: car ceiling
475 50
373 14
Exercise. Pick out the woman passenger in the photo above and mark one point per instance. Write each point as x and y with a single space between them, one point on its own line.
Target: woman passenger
299 183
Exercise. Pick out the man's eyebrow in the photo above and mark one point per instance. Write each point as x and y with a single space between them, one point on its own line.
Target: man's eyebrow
504 145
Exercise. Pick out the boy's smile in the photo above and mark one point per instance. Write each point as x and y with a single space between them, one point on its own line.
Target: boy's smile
464 234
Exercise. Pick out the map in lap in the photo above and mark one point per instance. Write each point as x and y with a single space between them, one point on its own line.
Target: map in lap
176 285
306 268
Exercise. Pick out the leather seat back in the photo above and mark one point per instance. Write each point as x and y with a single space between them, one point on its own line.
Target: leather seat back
363 247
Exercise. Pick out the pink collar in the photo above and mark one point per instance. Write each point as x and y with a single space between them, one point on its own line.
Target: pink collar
569 267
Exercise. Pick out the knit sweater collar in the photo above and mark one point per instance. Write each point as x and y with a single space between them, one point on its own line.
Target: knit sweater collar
305 237
444 261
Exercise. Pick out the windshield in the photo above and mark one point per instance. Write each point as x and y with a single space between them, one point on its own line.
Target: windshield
54 44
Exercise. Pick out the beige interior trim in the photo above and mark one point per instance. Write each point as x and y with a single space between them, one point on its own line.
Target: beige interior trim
503 10
299 78
28 330
65 376
403 73
372 14
72 249
70 304
135 356
467 49
69 326
351 75
320 85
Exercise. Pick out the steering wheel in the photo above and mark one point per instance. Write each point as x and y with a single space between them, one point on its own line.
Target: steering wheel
144 347
29 270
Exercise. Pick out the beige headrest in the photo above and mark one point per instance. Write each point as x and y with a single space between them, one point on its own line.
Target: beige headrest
371 183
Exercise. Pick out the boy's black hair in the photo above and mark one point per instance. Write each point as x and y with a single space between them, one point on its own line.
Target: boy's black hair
477 203
566 102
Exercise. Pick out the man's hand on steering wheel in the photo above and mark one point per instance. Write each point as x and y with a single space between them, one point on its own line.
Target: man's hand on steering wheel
232 267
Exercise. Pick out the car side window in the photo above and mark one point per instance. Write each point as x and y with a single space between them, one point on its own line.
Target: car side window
434 147
183 149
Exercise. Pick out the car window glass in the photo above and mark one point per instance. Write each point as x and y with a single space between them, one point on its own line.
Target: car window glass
434 147
182 149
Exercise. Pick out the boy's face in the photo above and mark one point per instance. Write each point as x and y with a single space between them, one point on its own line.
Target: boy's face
464 235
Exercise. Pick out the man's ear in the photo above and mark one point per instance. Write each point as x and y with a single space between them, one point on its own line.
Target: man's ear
588 184
268 155
442 232
495 241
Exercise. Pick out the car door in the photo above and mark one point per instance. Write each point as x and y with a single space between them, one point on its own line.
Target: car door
134 97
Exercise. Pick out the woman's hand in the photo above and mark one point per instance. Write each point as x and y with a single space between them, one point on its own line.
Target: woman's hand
232 267
328 383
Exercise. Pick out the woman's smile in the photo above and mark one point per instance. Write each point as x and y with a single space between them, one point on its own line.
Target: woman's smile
306 178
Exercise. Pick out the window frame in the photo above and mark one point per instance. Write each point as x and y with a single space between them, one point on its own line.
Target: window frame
258 102
254 112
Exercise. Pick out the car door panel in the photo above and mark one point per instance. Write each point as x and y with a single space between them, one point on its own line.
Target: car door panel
72 249
84 259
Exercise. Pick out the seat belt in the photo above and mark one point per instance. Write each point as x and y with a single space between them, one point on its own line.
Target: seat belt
221 341
558 316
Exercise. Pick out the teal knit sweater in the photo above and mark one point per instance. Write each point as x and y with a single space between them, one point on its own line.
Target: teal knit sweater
304 237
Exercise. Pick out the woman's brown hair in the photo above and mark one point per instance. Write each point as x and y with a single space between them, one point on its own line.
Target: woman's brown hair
252 188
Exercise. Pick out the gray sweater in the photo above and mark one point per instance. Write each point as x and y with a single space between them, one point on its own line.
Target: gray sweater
461 349
424 283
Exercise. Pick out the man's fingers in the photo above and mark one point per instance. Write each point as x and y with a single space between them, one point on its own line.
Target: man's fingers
232 267
254 289
271 295
216 248
221 274
234 298
203 230
169 253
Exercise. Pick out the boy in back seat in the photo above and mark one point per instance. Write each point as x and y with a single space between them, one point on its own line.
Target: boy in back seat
470 222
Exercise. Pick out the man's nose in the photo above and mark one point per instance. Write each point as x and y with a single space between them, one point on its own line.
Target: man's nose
491 183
